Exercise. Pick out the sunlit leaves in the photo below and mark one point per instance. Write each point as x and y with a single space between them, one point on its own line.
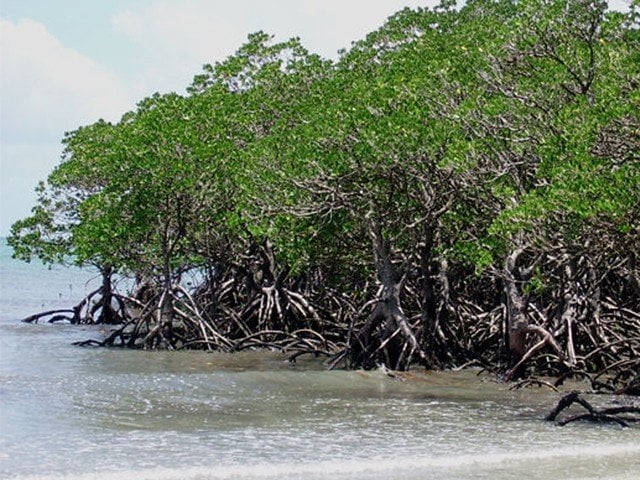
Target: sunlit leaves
470 125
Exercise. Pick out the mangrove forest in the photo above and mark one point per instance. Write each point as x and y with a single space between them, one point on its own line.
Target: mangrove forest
459 188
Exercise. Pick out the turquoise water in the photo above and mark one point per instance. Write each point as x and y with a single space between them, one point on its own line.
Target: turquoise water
87 413
26 288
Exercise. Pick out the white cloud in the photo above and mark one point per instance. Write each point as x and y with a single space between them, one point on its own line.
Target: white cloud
48 88
337 23
620 5
177 37
22 165
188 29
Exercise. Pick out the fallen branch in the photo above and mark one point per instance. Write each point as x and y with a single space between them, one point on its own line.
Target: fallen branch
606 415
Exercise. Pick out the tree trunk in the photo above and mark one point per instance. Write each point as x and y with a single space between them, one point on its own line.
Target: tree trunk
387 337
167 312
107 314
517 321
570 308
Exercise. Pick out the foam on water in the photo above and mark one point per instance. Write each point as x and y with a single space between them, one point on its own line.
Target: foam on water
533 464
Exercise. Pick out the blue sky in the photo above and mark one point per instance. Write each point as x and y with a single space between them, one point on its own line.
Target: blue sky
67 63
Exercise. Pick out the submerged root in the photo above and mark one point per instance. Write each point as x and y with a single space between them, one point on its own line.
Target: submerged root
529 382
94 309
59 315
623 415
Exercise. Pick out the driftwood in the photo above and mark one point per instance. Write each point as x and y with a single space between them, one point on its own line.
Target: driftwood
622 415
56 315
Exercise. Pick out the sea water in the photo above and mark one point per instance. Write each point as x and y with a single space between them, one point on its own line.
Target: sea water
91 413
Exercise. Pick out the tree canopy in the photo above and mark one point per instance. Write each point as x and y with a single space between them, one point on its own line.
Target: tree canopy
461 181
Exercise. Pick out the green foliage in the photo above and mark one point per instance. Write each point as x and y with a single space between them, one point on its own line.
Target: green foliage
456 128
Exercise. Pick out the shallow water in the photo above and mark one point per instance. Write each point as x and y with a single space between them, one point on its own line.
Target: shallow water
87 413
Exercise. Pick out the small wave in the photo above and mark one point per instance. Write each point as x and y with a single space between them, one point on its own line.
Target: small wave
364 468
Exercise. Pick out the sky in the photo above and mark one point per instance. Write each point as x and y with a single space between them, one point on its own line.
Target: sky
68 63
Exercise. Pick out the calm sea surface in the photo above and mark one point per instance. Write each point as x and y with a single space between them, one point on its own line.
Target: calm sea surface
86 413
